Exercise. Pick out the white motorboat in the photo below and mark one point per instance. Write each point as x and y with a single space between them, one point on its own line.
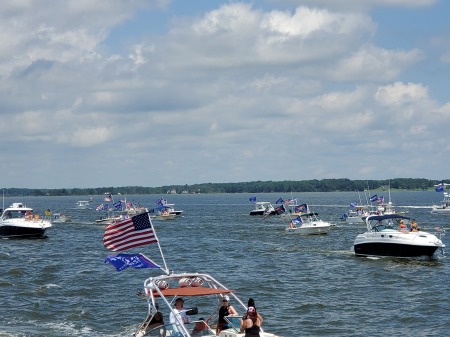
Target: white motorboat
18 221
109 219
60 218
385 239
194 289
308 224
444 207
263 208
163 216
171 209
83 204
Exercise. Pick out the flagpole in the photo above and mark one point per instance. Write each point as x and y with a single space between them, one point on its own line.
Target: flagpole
166 269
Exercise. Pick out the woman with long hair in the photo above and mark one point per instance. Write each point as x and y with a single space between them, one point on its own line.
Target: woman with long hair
251 324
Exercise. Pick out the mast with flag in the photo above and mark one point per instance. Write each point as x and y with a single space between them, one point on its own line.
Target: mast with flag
130 233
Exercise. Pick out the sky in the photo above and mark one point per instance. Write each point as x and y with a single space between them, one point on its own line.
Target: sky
152 93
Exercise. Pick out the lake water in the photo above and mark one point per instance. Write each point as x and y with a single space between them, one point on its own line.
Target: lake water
303 286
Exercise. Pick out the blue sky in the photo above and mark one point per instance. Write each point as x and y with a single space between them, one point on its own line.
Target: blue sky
151 93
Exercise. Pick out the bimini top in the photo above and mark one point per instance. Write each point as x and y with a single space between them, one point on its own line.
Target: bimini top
192 291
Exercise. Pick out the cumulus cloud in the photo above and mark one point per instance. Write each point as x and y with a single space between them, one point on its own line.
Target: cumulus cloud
236 82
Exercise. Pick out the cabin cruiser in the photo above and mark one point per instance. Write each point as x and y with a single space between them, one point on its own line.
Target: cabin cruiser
308 224
444 207
390 235
18 221
201 289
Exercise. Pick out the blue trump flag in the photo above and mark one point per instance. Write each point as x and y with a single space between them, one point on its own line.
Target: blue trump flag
252 199
122 261
280 201
440 188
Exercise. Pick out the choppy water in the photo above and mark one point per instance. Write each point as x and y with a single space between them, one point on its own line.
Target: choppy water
303 286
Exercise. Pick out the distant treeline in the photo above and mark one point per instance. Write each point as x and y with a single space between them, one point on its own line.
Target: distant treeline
287 186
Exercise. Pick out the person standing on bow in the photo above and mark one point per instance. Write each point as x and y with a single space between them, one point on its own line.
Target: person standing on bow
225 310
251 325
251 303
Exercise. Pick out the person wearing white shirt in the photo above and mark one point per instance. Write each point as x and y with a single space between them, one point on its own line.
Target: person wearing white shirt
178 311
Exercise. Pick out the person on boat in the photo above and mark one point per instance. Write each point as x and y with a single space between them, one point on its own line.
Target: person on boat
251 325
225 310
292 224
414 226
251 303
179 312
199 327
402 227
156 320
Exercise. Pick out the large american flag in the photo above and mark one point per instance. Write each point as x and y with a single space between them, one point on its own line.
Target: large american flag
133 232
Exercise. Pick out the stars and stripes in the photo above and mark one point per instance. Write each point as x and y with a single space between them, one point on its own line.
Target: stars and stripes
130 233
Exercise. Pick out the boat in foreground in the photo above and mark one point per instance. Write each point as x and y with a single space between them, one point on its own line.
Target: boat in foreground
200 290
308 224
385 238
18 221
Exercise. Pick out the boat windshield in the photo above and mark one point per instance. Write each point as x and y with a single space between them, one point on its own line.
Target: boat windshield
195 328
387 225
235 322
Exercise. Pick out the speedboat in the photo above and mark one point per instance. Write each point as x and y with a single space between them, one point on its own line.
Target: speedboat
385 238
83 204
263 208
18 221
60 218
308 224
444 207
171 209
197 289
357 214
163 216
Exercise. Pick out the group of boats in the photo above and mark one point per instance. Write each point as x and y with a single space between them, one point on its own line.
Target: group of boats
301 220
121 210
388 232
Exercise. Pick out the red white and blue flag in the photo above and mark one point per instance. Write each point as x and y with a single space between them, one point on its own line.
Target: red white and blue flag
130 233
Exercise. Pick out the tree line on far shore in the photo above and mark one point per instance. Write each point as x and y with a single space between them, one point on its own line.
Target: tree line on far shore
287 186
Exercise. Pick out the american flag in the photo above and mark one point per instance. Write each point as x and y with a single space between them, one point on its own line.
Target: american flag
130 233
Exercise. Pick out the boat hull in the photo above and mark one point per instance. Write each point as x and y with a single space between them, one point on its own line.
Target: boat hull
388 249
309 230
21 232
441 211
259 212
